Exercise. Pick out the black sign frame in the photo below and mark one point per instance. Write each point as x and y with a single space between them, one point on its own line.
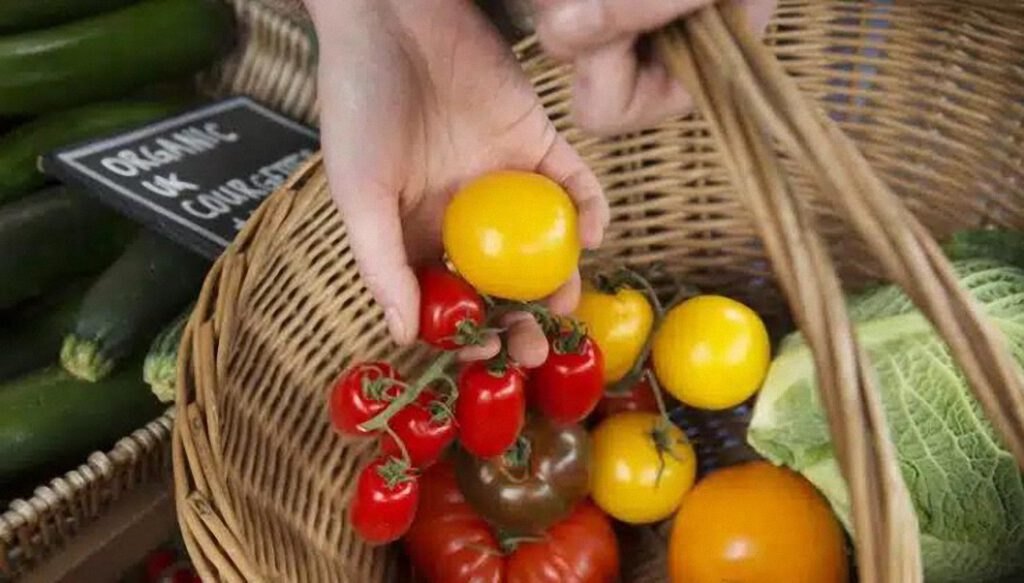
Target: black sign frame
279 138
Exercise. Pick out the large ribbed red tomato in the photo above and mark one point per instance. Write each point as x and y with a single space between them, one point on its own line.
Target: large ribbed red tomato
450 543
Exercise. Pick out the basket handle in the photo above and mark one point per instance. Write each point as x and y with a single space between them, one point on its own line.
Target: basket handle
748 98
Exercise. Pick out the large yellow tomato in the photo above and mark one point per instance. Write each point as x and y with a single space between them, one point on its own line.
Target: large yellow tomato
756 523
711 352
640 467
512 235
619 323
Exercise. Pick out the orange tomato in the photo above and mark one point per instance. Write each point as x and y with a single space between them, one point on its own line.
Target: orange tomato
756 523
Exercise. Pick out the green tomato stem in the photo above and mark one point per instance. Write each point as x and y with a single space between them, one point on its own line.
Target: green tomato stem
434 372
401 445
658 397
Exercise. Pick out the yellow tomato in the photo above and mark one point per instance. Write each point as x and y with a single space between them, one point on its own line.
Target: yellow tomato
619 323
756 523
711 352
640 467
512 235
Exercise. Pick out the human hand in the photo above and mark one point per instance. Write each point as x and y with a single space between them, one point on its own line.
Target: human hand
418 98
617 88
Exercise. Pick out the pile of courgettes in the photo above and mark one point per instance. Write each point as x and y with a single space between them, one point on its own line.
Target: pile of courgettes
92 307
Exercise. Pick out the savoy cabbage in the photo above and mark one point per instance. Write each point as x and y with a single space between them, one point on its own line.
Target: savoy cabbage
966 487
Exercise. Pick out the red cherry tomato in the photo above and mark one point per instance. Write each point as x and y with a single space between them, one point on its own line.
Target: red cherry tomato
157 563
451 311
360 394
640 397
491 409
386 498
426 427
569 384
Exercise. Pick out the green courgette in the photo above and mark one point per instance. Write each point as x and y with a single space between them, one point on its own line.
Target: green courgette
48 417
1001 244
160 370
144 288
21 147
53 236
22 15
110 54
30 342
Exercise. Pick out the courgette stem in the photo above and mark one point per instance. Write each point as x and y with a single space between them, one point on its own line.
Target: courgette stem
130 303
160 371
84 359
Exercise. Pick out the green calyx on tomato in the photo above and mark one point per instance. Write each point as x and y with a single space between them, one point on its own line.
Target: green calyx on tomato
379 388
570 339
394 471
534 485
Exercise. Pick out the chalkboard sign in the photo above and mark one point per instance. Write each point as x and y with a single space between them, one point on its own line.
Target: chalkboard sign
195 177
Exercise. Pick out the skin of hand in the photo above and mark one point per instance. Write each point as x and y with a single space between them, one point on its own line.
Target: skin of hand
418 98
617 88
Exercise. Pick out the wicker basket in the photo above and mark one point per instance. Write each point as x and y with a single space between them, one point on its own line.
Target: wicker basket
272 63
930 91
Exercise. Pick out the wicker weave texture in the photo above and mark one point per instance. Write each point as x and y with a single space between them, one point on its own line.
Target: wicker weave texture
32 530
931 93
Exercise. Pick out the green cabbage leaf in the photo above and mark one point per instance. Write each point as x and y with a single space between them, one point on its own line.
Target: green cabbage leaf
966 487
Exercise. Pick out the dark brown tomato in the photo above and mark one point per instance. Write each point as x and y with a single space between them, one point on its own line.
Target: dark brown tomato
535 483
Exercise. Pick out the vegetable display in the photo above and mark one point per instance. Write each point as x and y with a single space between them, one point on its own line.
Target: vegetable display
140 44
128 305
49 417
966 488
16 15
53 237
21 147
450 543
487 469
31 341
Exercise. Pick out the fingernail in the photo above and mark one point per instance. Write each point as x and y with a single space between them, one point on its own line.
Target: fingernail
395 325
577 18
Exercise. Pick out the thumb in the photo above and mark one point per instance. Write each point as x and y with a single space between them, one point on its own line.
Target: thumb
374 230
568 27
